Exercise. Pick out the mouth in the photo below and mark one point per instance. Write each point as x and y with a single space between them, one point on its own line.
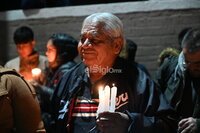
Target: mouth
88 54
87 51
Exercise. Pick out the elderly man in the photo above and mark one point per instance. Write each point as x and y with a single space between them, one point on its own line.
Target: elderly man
139 108
179 80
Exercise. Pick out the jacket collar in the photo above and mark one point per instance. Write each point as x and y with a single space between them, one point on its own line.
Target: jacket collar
181 66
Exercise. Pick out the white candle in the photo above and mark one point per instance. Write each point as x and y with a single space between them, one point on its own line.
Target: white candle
113 98
101 101
107 98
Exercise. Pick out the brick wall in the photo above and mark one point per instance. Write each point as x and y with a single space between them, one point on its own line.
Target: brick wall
152 25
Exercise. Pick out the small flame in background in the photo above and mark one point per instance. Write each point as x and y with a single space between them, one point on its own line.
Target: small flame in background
36 72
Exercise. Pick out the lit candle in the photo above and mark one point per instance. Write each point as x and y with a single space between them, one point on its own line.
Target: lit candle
36 72
107 99
113 98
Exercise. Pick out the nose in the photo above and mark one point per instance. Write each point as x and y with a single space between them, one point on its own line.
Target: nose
20 47
86 43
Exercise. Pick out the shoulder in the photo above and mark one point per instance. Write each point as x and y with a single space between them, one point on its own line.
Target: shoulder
172 59
13 63
10 79
75 70
13 60
68 65
164 72
72 74
142 67
129 71
70 79
169 64
139 80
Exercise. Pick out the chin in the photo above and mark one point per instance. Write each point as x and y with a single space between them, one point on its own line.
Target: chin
89 63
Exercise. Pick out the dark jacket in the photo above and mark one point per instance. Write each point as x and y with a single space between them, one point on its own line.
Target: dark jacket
145 106
45 93
176 84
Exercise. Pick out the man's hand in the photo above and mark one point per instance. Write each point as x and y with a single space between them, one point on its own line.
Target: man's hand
187 125
114 122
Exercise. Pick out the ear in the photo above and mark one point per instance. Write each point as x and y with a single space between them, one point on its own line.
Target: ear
118 44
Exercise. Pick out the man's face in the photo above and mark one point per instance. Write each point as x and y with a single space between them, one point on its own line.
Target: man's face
192 61
51 51
95 48
25 49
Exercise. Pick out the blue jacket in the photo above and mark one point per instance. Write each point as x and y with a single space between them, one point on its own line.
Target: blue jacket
145 106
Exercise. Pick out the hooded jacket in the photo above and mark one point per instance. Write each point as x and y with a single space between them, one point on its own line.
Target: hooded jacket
177 85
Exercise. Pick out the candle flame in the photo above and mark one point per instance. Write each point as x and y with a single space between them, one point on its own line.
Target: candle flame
36 71
100 87
106 87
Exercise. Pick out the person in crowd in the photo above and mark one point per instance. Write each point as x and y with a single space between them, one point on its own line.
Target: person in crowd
129 51
178 78
166 53
19 107
61 51
140 107
28 58
181 36
169 51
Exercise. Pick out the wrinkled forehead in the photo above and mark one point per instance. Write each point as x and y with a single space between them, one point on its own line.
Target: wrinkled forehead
93 28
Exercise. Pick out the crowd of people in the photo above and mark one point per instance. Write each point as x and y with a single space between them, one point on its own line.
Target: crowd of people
64 96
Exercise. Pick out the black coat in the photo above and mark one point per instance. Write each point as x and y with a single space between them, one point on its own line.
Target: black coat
145 106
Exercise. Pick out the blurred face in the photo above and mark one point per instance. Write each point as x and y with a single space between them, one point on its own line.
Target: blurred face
192 61
95 48
51 51
25 49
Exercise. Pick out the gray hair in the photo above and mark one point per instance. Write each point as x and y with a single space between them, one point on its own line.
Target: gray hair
191 40
112 25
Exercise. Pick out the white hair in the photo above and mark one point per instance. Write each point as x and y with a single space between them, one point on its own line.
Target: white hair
112 25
